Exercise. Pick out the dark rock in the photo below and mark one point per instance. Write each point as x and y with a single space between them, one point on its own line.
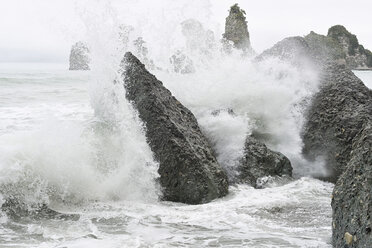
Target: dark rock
189 173
352 195
259 161
236 29
18 210
357 57
79 57
337 113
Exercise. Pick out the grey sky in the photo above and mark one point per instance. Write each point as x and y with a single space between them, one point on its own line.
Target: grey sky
43 30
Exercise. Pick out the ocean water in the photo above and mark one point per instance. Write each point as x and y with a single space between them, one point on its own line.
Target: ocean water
71 141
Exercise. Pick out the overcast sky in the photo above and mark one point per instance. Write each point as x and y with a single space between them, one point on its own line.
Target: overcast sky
43 30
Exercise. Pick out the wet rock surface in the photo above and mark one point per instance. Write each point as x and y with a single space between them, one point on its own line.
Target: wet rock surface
189 173
337 113
79 57
17 210
352 195
259 161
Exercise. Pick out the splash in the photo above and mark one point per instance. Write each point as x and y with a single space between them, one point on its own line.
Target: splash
106 156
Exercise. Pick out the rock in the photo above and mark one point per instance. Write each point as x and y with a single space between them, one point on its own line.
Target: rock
181 63
352 195
198 39
337 113
189 173
259 161
325 48
357 57
236 29
17 210
79 57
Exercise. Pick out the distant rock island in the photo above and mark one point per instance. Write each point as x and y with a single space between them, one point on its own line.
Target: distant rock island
79 57
236 29
341 45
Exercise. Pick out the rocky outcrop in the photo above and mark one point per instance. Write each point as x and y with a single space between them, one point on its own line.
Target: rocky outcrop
236 29
352 196
337 113
189 173
259 161
79 57
325 48
357 57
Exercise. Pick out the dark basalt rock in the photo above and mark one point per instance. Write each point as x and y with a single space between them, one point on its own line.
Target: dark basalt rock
357 57
17 210
337 113
352 195
259 161
79 57
236 29
189 173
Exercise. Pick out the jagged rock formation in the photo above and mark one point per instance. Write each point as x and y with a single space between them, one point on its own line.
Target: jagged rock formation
79 57
181 63
357 57
325 48
236 29
352 196
259 161
189 173
336 115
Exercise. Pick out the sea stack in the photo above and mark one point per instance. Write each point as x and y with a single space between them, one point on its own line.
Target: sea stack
357 57
189 172
259 161
236 29
79 57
